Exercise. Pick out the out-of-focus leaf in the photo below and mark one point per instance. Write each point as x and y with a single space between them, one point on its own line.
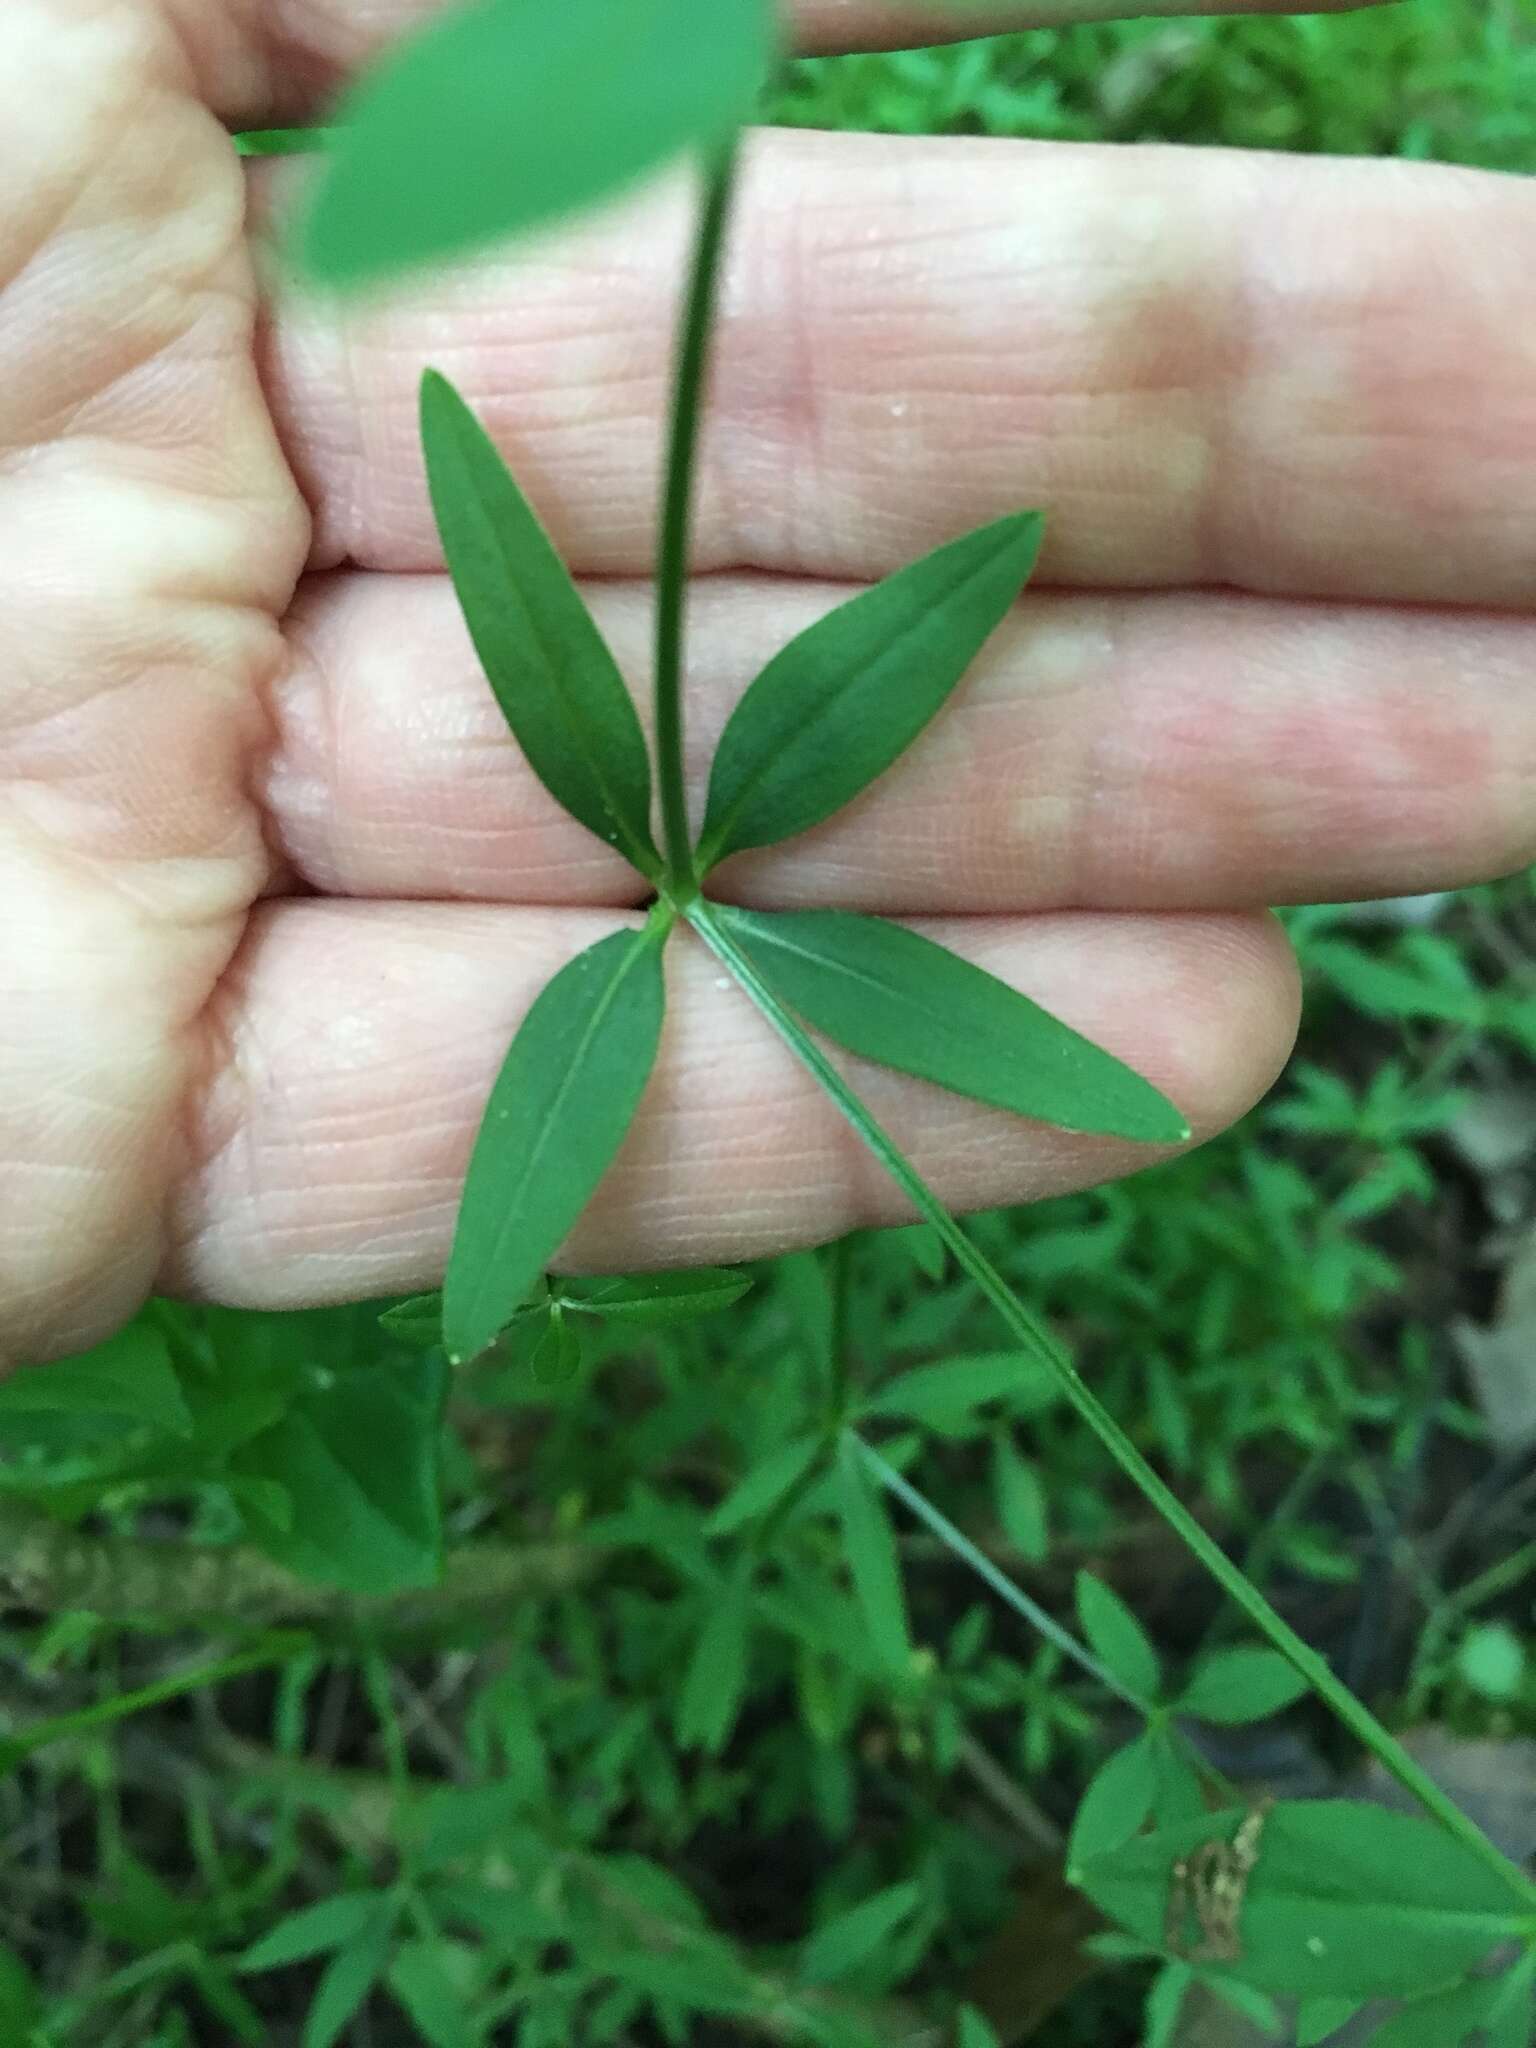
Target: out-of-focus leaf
349 1977
131 1376
1242 1684
846 1943
1118 1638
946 1396
314 1930
1344 1900
417 1322
765 1485
433 1996
872 1559
656 1298
357 1455
716 1678
1117 1800
1020 1501
498 117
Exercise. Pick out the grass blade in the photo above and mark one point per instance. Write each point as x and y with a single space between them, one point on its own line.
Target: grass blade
504 115
556 1117
891 995
848 696
558 685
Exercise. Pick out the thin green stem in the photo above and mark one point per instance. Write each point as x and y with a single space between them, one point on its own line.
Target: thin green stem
690 375
1013 1596
15 1748
1036 1340
840 1279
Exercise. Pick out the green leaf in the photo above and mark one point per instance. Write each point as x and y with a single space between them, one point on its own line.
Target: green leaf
1118 1638
131 1375
848 696
1447 2019
20 2004
1384 990
1320 2018
556 1358
556 1117
313 1930
1344 1900
891 995
417 1322
716 1679
358 1455
349 1977
976 2031
1257 2007
558 685
1245 1684
872 1559
502 116
1020 1500
433 1998
223 1997
765 1485
1509 2020
656 1298
1178 1796
460 1823
1116 1802
946 1396
847 1942
1165 2002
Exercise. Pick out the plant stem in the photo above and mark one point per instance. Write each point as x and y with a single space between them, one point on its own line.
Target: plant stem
1035 1339
985 1570
15 1748
689 376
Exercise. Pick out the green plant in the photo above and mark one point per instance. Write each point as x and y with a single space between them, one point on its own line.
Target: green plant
826 717
736 1672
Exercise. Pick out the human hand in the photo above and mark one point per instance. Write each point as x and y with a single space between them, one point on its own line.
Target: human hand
278 887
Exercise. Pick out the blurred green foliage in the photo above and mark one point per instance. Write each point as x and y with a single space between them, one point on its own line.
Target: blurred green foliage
696 1743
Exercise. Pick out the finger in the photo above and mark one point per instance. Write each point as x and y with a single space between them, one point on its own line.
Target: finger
1289 375
1156 751
149 534
262 64
355 1044
901 24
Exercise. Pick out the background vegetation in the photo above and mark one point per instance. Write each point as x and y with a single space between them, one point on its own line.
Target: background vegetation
637 1772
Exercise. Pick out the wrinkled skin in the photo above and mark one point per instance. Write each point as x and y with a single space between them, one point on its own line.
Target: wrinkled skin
277 887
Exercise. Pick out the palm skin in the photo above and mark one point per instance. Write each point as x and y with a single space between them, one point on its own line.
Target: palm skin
277 886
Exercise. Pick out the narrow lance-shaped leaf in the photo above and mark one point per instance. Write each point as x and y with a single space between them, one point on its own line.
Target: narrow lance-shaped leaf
502 116
848 696
891 995
655 1298
716 1678
873 1561
557 1115
558 685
